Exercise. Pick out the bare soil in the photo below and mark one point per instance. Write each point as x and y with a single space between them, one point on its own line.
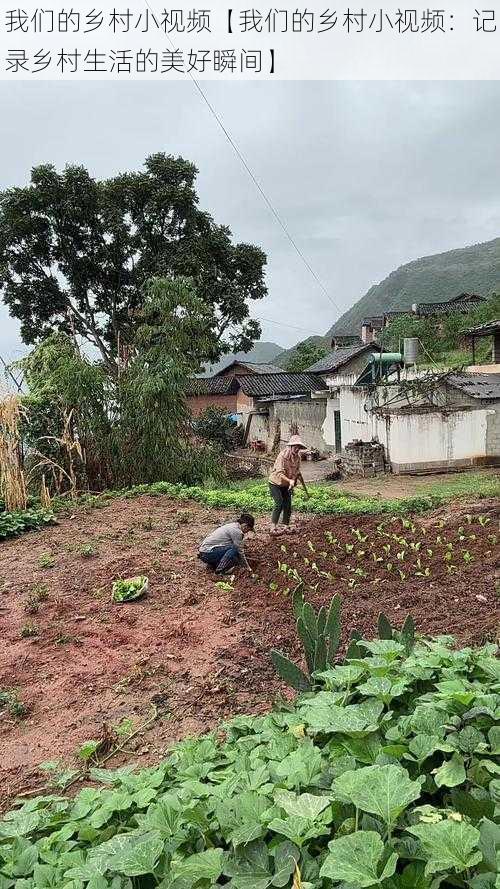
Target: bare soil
190 651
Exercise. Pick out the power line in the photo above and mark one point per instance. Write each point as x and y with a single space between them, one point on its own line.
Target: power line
255 181
284 324
263 194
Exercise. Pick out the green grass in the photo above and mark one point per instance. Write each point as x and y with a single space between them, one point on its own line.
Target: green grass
476 484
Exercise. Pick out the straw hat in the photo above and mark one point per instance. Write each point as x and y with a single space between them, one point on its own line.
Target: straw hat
297 441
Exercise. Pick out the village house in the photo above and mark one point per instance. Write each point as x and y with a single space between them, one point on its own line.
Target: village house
372 328
425 421
221 391
266 405
458 305
419 420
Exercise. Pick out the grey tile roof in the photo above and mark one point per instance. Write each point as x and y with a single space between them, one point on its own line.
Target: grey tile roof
485 387
253 368
261 385
490 327
337 359
212 386
257 385
464 300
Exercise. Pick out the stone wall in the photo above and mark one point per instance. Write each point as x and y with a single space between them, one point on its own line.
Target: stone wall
493 433
306 417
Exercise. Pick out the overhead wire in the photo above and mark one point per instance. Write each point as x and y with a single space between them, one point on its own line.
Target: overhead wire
260 188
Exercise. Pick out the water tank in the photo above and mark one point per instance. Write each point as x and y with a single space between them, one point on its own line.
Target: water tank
410 349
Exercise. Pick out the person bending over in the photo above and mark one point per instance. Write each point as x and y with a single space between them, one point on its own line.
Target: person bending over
282 480
223 548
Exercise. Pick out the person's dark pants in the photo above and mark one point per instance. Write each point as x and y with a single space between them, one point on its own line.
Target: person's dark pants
282 497
221 558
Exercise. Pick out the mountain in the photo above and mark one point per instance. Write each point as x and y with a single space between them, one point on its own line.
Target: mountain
435 278
262 353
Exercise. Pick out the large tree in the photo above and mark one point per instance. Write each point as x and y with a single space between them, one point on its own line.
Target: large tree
132 427
75 254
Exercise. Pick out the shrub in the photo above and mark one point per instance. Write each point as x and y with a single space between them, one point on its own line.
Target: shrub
14 523
216 426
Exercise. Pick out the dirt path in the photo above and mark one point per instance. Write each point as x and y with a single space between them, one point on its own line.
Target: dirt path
390 487
194 650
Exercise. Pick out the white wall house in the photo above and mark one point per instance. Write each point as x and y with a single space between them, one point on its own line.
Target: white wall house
457 425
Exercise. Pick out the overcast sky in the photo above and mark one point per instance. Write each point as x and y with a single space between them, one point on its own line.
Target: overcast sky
367 176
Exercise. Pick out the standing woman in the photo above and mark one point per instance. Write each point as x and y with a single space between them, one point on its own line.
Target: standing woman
282 480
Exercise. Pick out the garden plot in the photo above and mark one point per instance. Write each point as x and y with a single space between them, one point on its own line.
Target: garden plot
77 668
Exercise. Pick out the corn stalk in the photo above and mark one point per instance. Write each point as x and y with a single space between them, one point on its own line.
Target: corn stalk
12 480
72 448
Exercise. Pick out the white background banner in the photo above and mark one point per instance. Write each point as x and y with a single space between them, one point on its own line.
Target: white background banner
145 40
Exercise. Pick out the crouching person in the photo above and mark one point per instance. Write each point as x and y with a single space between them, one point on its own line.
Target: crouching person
223 548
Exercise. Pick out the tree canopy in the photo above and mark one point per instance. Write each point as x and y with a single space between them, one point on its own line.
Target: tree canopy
75 254
305 355
132 427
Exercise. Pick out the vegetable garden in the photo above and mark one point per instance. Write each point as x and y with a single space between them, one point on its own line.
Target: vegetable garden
384 770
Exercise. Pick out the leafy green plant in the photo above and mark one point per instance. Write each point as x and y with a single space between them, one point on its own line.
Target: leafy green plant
14 523
38 595
41 591
10 701
88 750
404 637
46 560
384 778
31 605
319 634
29 630
88 550
58 775
130 589
228 586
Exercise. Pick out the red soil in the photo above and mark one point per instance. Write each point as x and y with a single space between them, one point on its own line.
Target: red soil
195 651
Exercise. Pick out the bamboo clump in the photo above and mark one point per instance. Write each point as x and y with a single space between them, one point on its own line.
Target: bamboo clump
12 481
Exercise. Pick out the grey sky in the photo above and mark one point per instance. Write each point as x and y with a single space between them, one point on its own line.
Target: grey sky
367 176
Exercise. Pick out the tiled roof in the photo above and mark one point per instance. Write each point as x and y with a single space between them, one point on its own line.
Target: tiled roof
338 358
261 385
252 367
257 385
443 308
212 386
487 329
397 313
483 386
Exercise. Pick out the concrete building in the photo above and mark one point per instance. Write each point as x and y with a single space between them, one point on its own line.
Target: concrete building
343 365
425 422
221 391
